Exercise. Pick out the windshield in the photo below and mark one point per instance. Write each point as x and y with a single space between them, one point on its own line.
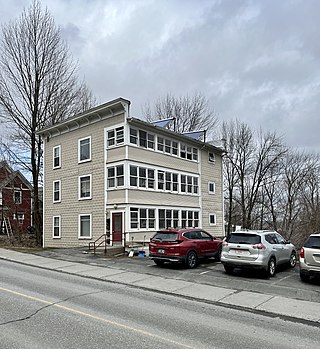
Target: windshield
313 242
243 238
163 236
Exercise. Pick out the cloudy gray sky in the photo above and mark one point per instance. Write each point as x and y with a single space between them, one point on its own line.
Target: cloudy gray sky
256 60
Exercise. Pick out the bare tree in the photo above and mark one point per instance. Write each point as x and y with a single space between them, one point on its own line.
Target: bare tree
38 87
191 113
310 200
300 181
269 150
248 164
231 179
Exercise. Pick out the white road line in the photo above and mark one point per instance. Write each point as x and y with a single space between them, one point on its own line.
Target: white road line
286 277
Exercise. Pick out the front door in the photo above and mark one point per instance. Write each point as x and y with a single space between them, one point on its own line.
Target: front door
117 227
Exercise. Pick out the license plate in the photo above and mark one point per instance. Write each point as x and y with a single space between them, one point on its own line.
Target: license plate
161 250
239 251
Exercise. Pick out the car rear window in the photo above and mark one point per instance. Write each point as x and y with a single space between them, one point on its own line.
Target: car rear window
244 238
313 242
163 236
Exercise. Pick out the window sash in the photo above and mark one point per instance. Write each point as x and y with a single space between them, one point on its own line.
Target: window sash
18 197
56 191
115 176
56 157
85 187
85 226
85 149
142 218
212 219
133 136
211 187
56 227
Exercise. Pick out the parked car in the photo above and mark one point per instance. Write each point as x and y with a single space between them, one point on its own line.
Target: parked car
257 249
184 246
310 257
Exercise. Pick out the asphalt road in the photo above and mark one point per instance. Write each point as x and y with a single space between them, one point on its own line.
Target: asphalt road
46 309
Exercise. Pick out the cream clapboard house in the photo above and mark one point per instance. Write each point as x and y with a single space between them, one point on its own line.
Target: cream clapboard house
105 172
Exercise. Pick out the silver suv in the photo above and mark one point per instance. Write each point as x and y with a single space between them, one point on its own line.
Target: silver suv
310 257
257 249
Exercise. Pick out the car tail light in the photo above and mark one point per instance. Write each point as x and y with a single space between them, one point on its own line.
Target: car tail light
302 252
259 246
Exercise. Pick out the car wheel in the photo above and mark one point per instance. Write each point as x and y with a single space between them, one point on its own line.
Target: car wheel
218 255
271 271
304 277
293 260
159 262
228 269
191 259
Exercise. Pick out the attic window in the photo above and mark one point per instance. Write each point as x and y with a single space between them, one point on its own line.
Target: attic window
17 197
211 157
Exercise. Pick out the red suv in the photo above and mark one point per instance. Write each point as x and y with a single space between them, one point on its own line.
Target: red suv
183 245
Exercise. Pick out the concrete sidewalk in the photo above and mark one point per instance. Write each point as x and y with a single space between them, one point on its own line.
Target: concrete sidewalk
298 310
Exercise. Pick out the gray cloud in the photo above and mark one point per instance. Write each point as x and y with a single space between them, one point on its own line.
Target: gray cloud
256 60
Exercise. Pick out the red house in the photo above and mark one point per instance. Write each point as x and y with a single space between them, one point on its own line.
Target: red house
15 200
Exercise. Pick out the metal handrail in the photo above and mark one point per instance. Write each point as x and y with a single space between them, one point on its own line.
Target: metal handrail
95 245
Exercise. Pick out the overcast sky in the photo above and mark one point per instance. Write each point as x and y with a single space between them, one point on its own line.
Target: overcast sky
257 60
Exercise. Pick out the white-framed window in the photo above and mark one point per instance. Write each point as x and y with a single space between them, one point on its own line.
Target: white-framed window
175 183
195 154
115 136
211 187
212 219
175 146
17 196
168 218
85 226
189 219
142 218
19 217
115 176
188 152
150 141
133 136
57 156
189 184
195 185
56 227
141 138
85 187
84 149
141 177
211 157
160 180
168 181
160 143
167 146
57 191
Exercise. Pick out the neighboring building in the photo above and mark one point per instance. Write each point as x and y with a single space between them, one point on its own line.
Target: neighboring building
104 169
15 200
